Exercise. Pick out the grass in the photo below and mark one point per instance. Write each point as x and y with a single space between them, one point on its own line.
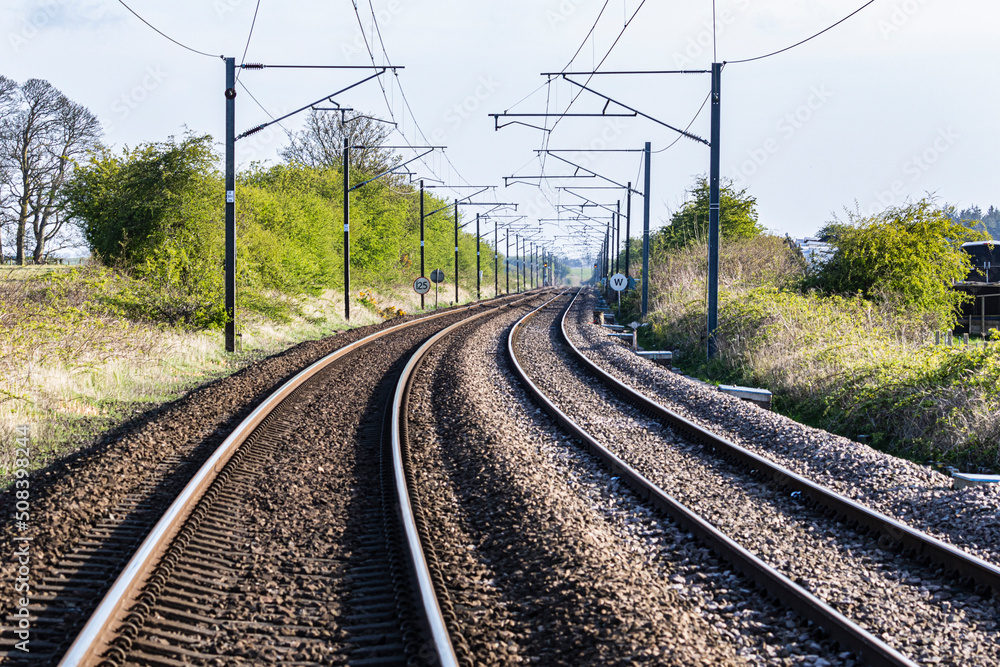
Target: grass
72 367
846 364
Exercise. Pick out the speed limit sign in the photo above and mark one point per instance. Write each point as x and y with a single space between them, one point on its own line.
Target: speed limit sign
421 285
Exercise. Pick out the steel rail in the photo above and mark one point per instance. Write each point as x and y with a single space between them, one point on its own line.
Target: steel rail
963 564
404 490
869 649
96 636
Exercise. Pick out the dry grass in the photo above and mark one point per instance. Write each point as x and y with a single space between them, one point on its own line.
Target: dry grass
850 365
69 370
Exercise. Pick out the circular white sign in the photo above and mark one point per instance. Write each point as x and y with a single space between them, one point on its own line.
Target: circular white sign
421 285
619 282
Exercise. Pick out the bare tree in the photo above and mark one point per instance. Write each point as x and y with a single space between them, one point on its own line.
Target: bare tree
41 134
321 143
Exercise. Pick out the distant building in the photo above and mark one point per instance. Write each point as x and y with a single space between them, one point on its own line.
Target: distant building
816 251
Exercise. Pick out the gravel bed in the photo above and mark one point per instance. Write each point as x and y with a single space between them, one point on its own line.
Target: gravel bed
555 561
907 605
913 494
83 489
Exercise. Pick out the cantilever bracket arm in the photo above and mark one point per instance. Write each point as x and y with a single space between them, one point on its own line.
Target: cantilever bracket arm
498 116
517 179
591 201
647 116
604 178
388 171
254 130
458 201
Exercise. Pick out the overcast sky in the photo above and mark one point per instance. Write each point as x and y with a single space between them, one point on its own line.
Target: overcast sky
897 102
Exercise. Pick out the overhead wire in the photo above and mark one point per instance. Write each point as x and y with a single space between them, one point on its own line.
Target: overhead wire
548 135
262 108
697 113
402 94
247 47
788 48
202 53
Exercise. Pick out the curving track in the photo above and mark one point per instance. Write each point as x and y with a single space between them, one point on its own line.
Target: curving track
283 547
405 501
851 572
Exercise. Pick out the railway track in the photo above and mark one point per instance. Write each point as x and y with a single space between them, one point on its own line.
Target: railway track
290 549
567 401
282 547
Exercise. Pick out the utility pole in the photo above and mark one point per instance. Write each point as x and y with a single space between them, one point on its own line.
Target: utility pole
645 234
478 297
347 232
506 259
517 264
456 251
531 266
628 224
496 261
230 204
713 210
618 236
422 274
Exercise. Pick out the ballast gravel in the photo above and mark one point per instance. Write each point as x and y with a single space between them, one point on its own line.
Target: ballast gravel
932 620
147 460
559 553
910 493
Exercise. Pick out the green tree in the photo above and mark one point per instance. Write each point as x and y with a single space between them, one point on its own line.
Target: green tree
129 205
737 216
155 212
911 253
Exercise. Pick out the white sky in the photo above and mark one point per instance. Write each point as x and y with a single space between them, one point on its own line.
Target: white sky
897 102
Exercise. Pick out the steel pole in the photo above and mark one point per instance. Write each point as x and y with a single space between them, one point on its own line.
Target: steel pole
230 205
506 259
422 239
496 261
517 262
478 297
347 231
456 251
628 226
618 236
713 210
645 234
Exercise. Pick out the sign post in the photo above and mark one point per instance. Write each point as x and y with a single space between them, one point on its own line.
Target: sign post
437 277
618 282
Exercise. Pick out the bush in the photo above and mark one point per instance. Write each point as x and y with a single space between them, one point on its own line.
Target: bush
912 252
846 363
156 214
737 218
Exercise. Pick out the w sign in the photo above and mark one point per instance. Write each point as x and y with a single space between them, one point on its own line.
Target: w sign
619 282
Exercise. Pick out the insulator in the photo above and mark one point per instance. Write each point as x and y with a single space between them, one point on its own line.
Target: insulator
253 66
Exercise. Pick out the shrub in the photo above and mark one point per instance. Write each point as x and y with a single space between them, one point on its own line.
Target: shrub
912 252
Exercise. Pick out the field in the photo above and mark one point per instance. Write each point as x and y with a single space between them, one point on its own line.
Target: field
71 367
